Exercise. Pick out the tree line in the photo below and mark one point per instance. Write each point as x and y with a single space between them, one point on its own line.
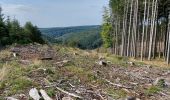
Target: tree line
138 28
12 32
83 37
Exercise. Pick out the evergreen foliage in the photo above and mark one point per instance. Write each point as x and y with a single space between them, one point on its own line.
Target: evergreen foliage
106 29
12 32
83 37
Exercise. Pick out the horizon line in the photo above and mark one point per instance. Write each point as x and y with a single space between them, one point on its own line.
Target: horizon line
68 26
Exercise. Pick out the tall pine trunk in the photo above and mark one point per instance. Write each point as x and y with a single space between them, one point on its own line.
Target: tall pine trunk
129 34
143 32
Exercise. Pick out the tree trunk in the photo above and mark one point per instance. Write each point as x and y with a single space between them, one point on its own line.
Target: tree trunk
154 4
129 34
168 32
147 28
143 31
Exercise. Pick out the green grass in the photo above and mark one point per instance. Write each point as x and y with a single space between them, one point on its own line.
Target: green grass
161 83
5 54
51 92
20 84
116 94
82 73
152 90
117 60
16 79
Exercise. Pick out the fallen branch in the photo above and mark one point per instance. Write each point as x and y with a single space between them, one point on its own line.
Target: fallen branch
71 85
98 94
118 85
10 98
70 94
164 94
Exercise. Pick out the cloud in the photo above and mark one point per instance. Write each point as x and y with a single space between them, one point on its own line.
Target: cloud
56 12
12 9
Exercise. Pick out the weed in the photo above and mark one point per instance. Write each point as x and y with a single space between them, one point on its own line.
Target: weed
20 84
116 94
117 60
81 73
49 71
5 54
51 92
2 85
3 73
161 83
152 90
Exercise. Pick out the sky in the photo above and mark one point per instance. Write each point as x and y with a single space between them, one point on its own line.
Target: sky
55 13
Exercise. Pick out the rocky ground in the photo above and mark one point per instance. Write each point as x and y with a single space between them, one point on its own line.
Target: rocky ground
32 72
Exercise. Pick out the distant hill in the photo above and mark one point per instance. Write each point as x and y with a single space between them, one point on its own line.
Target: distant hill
84 37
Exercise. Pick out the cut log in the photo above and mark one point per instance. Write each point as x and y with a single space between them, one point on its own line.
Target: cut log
102 63
34 94
10 98
61 62
131 63
44 95
15 55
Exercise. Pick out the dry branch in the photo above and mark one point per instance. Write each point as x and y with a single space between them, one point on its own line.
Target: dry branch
70 94
118 85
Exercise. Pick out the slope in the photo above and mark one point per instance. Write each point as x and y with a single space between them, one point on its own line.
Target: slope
84 37
78 72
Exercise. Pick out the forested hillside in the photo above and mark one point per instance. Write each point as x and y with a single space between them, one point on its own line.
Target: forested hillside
84 37
138 28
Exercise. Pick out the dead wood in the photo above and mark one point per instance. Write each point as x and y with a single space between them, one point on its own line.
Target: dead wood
118 85
70 94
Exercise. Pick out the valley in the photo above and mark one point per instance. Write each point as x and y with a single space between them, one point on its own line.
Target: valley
83 37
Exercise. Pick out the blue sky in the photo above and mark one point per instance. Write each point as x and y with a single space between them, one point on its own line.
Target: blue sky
55 13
